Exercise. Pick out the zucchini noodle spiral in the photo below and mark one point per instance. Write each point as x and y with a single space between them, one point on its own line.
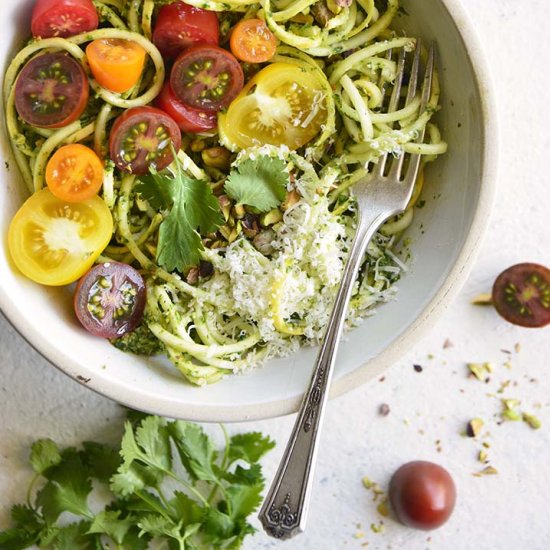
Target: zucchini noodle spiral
263 299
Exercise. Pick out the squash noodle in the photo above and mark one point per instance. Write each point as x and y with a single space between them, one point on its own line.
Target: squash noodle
261 301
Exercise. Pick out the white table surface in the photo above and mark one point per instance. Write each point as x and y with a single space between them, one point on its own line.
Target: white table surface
506 511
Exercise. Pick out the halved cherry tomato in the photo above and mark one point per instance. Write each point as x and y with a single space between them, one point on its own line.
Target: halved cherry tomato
206 78
521 294
74 173
252 41
283 104
51 91
110 299
63 18
54 242
179 26
115 63
143 137
188 120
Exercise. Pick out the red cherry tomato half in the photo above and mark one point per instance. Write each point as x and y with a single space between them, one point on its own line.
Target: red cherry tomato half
521 295
143 137
63 18
179 26
206 78
422 494
188 120
110 299
51 91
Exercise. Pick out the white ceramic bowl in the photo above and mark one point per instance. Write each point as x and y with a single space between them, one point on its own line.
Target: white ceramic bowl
452 226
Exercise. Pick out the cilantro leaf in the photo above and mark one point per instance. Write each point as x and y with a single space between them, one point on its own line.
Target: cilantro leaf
75 537
196 450
67 490
244 499
260 183
250 447
16 539
143 481
192 207
44 454
110 523
102 460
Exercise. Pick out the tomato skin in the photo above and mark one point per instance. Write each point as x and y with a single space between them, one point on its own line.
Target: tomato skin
109 300
116 64
74 173
63 18
206 77
521 295
54 242
422 494
30 82
180 25
146 143
252 42
188 120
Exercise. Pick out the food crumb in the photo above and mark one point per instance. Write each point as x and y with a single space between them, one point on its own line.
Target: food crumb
487 471
474 427
448 344
483 299
532 421
517 347
384 409
377 527
418 368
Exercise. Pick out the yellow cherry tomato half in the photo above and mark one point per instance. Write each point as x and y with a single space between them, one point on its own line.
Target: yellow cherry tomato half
54 242
116 64
74 173
283 104
252 42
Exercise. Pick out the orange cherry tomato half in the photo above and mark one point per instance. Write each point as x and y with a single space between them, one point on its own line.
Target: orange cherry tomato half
74 173
115 63
252 42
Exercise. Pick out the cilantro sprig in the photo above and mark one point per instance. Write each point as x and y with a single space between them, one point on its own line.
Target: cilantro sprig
190 205
167 482
260 182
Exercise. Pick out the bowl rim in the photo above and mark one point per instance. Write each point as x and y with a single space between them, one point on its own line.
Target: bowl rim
369 370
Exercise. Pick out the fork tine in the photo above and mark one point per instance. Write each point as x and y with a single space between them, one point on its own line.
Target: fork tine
397 166
414 163
394 102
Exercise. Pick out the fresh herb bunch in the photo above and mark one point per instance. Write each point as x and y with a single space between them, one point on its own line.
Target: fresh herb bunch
168 484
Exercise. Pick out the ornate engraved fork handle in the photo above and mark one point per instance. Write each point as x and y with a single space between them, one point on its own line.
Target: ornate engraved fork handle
284 512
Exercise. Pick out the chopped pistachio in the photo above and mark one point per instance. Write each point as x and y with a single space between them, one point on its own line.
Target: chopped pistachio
480 370
474 427
486 444
482 457
367 483
383 508
513 416
483 299
510 404
517 347
487 471
377 528
271 217
507 365
359 535
532 420
503 386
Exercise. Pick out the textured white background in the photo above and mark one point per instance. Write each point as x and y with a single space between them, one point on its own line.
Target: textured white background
508 511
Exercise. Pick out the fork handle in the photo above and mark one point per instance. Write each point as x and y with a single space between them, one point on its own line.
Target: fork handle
284 512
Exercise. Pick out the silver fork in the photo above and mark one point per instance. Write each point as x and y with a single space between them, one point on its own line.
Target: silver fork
383 194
